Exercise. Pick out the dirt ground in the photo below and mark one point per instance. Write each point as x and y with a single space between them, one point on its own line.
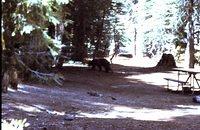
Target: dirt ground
130 98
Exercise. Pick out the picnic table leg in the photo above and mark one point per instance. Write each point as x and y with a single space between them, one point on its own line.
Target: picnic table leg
196 81
178 80
177 87
182 88
189 78
194 78
167 84
192 90
191 83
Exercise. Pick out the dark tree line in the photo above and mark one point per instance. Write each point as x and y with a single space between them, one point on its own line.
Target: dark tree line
84 27
92 27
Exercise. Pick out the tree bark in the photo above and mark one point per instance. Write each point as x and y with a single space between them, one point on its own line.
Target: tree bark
80 50
191 35
100 33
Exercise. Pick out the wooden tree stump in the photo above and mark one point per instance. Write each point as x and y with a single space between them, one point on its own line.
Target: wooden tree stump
167 60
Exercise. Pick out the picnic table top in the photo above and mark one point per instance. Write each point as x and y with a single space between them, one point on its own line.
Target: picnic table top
189 70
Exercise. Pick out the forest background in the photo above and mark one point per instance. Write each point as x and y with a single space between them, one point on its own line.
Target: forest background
37 35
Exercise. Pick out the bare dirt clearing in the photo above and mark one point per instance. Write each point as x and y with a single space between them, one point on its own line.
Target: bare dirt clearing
92 100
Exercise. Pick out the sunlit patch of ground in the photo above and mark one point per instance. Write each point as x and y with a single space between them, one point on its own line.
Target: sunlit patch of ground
149 114
35 109
151 78
111 111
137 62
75 64
145 62
157 78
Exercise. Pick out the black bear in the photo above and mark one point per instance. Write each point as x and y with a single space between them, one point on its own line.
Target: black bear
100 63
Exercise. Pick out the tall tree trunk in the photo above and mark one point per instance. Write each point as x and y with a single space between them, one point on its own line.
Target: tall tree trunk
191 34
100 33
80 50
135 39
9 7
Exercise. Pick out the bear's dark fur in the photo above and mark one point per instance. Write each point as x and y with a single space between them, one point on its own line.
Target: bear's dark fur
100 63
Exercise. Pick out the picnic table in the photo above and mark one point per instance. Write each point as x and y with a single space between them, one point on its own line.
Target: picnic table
190 80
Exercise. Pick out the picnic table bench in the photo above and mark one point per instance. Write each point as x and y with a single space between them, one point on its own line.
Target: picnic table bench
182 83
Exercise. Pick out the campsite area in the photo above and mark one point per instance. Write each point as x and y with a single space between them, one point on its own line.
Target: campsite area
129 98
